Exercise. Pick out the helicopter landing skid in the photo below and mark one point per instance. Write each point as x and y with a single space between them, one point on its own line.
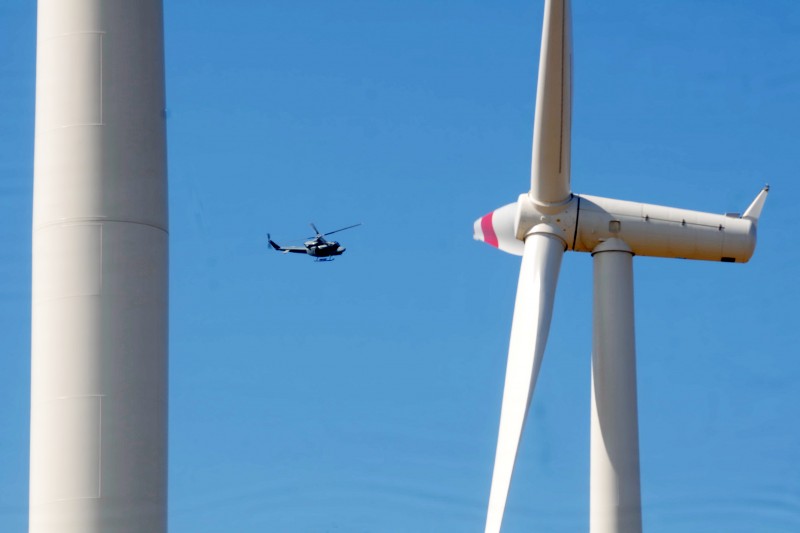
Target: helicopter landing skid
323 259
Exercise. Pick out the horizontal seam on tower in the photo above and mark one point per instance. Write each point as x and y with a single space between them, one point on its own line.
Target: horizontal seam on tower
79 220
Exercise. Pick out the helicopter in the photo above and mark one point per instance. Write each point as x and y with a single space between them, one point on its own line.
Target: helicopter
317 247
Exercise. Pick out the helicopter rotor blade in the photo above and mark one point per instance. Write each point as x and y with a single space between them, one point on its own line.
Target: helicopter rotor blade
342 229
315 229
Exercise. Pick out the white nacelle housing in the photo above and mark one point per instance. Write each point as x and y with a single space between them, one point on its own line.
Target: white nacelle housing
658 231
584 222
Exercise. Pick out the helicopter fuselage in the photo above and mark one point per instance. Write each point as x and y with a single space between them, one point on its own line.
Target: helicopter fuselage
323 249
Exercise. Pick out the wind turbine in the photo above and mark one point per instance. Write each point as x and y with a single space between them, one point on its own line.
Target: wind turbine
549 220
98 446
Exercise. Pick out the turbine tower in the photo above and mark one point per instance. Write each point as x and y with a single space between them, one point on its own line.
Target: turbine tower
541 226
98 456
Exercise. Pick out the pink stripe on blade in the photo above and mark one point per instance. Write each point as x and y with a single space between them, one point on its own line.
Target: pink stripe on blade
489 236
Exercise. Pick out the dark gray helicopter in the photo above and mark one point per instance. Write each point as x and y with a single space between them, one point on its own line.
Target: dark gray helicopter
317 247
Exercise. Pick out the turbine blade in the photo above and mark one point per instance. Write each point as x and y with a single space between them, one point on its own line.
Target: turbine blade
550 165
533 309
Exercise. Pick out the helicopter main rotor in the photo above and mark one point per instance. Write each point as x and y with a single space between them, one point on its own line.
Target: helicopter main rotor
319 234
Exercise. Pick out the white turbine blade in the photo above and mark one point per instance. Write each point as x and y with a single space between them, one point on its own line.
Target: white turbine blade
550 166
533 309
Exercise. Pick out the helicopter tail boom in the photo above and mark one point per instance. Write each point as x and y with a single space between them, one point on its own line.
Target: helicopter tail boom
285 249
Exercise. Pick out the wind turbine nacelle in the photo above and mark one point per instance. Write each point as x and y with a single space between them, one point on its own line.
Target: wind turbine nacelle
658 231
584 222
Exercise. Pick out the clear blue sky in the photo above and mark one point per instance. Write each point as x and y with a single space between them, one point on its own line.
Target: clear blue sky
363 395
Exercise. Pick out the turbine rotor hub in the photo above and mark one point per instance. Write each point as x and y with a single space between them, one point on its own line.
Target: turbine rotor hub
555 219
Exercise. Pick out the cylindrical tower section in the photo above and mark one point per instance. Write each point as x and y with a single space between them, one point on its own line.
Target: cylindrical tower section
98 459
615 504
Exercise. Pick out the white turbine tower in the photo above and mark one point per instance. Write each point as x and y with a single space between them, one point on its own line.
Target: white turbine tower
540 227
98 457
